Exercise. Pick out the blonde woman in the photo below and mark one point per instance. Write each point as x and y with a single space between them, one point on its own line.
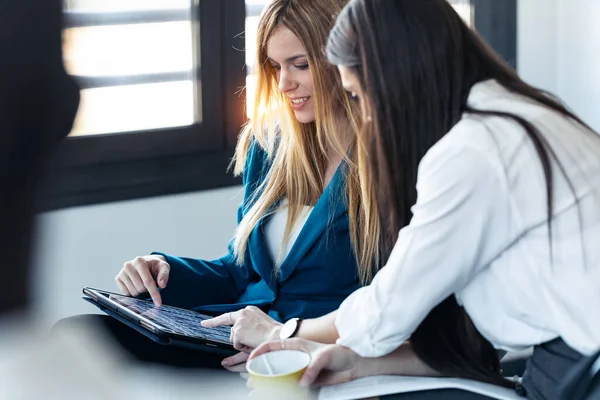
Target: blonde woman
293 255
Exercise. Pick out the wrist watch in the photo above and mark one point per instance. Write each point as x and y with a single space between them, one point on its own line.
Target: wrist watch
290 328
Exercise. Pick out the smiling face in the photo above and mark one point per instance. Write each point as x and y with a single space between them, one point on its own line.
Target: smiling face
288 58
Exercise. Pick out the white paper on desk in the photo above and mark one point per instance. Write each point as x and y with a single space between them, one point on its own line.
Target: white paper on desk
383 385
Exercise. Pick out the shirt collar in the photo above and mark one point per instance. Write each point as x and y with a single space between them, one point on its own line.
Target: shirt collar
484 91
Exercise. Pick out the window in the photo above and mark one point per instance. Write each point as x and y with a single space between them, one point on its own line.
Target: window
134 61
464 8
134 75
159 109
253 10
161 101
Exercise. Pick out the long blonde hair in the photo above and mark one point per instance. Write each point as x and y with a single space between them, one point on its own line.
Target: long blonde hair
297 151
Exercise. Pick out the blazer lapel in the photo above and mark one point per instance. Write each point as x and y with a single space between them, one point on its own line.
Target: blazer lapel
330 206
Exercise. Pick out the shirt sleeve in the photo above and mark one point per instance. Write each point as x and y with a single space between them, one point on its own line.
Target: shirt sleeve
460 223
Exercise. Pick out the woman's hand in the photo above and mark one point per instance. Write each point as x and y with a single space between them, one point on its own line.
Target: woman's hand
250 327
333 364
142 275
330 364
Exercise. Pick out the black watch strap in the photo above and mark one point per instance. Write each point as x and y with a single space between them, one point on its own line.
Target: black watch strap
298 323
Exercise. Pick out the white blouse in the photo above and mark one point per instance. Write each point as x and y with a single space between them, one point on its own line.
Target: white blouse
275 228
479 231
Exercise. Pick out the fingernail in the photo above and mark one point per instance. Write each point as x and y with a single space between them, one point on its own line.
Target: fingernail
225 363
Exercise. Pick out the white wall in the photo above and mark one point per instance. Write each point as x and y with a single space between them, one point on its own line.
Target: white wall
537 36
558 51
579 58
87 246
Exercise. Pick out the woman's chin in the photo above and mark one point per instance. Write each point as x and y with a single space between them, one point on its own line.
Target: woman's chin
305 117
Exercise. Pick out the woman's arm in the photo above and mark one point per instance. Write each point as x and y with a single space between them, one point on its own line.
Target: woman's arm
460 224
320 329
333 364
251 327
194 282
402 361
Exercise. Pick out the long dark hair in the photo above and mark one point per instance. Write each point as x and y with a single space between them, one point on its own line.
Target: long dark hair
417 61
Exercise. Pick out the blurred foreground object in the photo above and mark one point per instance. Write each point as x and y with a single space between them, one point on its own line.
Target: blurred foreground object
38 102
81 363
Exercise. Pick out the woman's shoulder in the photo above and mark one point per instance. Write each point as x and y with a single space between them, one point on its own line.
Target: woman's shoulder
257 163
256 153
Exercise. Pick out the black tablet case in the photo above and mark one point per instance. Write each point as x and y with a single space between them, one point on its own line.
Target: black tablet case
167 341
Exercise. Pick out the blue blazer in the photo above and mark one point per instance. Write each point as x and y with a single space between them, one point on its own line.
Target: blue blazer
317 275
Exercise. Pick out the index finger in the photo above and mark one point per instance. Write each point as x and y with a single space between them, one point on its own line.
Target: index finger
150 284
223 319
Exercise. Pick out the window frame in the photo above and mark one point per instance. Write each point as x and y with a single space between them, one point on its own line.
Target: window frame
104 168
99 168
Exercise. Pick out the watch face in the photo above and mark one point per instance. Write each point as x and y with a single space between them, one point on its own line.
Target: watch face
288 329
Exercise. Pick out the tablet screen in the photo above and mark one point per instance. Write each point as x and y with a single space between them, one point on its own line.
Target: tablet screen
178 320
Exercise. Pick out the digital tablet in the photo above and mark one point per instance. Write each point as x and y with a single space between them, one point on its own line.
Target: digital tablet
165 324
